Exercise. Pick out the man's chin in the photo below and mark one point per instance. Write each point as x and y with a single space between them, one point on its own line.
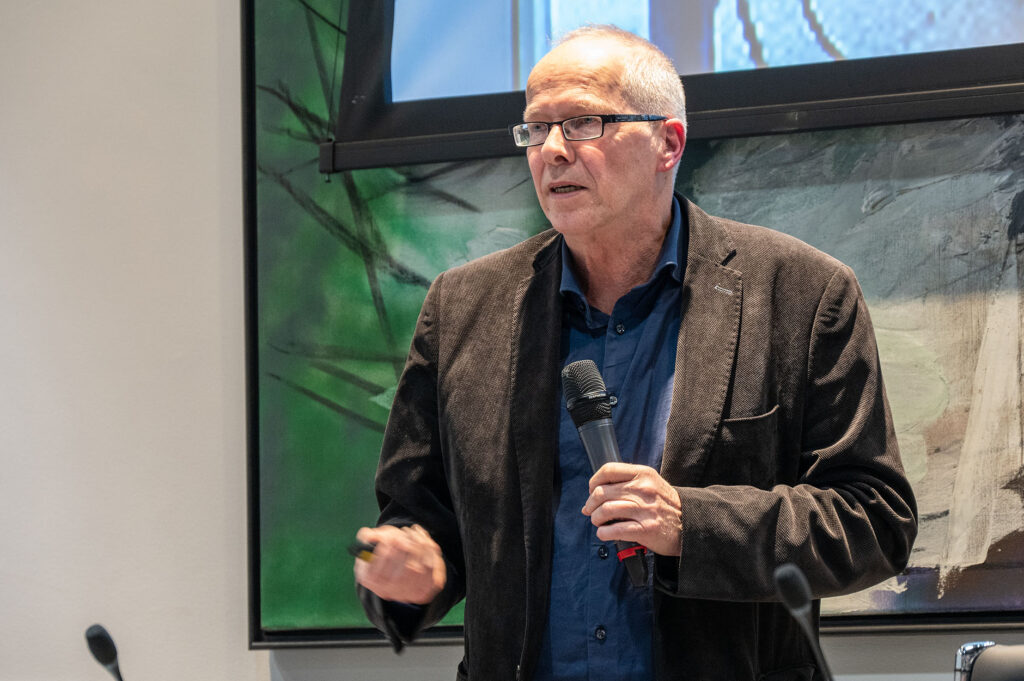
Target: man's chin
568 222
570 228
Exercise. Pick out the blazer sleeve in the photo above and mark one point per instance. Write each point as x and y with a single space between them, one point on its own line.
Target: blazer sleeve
411 484
848 519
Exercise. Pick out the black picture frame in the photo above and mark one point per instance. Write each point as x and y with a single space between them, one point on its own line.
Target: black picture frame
372 132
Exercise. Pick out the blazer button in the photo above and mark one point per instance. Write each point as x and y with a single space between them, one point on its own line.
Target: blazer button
620 328
602 552
600 633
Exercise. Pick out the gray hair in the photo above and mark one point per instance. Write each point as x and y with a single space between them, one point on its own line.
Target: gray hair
650 82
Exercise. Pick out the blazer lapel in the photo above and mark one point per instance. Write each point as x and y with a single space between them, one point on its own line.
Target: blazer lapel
536 341
706 352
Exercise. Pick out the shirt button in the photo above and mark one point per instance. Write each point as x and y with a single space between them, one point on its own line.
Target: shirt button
602 552
600 633
620 328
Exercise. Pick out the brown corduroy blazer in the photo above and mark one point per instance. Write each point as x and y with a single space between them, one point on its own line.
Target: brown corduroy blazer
779 441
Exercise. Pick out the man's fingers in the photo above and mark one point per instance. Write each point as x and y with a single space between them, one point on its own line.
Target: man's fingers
626 530
391 561
619 510
615 472
360 569
638 490
634 503
419 531
406 566
598 496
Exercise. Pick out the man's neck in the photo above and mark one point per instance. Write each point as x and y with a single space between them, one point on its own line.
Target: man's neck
608 268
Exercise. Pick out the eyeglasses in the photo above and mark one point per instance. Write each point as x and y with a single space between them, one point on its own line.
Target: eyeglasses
578 128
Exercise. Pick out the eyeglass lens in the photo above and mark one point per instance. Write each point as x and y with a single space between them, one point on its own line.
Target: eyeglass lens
579 128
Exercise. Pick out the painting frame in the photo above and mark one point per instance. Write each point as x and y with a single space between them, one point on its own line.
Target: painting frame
727 115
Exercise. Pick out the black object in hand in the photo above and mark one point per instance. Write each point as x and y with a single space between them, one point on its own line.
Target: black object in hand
590 406
362 550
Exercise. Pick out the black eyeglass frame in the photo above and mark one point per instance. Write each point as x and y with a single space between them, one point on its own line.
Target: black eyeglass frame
605 118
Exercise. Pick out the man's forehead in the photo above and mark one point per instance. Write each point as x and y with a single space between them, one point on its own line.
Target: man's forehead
569 103
568 92
581 73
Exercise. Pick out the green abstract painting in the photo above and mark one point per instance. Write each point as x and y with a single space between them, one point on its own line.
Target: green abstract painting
930 215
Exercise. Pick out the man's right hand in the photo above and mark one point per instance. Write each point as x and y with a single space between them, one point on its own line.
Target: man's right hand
407 565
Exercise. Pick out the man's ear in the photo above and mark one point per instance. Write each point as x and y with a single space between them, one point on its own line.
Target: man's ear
673 142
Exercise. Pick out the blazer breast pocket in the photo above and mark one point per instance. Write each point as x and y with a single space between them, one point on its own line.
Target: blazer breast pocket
745 451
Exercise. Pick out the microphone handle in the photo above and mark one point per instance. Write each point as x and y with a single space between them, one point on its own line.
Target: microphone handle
636 563
599 440
602 447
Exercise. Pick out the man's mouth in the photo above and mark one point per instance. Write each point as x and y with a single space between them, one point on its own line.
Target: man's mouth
566 188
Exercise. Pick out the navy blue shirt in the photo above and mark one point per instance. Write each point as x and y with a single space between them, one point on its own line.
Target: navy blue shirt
599 625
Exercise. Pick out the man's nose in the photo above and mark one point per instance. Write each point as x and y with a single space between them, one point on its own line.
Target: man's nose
556 149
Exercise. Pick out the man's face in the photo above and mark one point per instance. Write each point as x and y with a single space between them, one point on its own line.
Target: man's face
584 187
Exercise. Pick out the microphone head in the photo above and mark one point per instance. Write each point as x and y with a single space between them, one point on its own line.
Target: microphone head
792 587
581 380
101 645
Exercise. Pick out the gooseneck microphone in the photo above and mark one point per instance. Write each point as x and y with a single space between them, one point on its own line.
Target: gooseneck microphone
103 649
794 591
590 407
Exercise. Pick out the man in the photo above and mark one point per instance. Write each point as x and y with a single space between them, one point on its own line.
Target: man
751 413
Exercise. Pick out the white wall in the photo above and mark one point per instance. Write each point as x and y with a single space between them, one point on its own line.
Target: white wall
122 424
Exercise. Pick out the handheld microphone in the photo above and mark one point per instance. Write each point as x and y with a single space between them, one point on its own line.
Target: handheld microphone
590 407
103 649
794 591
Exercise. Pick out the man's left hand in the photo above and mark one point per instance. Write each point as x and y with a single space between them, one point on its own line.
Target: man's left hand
634 504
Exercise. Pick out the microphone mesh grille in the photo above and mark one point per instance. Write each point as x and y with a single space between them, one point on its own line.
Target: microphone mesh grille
100 644
792 587
578 379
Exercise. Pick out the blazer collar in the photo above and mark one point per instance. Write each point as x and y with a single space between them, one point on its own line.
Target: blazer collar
708 239
712 299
